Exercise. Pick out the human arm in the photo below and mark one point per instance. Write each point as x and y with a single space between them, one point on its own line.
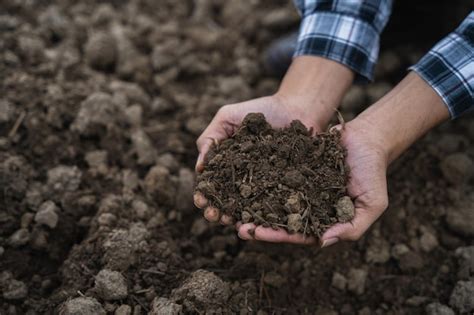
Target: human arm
440 86
310 91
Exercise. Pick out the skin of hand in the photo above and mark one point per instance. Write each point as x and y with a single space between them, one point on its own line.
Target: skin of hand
311 90
377 137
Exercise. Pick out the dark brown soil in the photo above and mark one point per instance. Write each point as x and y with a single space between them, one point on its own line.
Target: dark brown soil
279 178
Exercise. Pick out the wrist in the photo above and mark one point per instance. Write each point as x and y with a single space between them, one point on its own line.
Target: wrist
315 86
402 116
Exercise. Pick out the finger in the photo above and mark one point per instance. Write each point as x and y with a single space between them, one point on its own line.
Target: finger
203 149
199 200
350 231
211 214
282 236
216 130
226 220
246 231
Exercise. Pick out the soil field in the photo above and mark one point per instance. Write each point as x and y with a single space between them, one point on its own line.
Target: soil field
101 103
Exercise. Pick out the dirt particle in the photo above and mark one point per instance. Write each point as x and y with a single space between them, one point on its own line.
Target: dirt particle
202 290
31 48
460 217
82 306
101 51
438 309
245 190
19 238
256 123
411 261
184 201
465 257
47 214
107 219
294 179
461 297
119 252
64 178
339 281
295 223
457 168
293 203
345 209
199 227
274 279
15 290
158 185
97 111
161 306
7 111
428 242
246 217
399 250
143 147
123 310
356 279
110 285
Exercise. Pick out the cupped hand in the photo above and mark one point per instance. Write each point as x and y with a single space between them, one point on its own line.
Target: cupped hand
367 186
279 112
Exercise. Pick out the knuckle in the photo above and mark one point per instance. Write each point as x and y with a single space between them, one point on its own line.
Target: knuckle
355 235
381 204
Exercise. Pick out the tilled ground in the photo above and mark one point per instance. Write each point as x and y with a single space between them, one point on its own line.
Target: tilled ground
100 105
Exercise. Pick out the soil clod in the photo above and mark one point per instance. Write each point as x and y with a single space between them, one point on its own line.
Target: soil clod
279 177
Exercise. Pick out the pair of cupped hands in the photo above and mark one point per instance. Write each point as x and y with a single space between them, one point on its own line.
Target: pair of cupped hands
365 157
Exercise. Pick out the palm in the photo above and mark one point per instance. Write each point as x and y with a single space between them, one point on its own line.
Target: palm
367 185
279 114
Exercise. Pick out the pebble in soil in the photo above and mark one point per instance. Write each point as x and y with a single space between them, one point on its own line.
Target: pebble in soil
279 178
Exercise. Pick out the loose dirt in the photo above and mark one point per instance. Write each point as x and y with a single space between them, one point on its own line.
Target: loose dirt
283 178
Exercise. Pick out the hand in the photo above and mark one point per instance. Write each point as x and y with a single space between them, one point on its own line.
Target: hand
279 113
368 161
377 137
312 88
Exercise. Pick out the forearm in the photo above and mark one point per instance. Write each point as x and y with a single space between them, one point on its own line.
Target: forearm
317 85
403 115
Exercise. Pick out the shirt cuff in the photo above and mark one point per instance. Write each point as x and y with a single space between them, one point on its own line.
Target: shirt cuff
346 39
449 69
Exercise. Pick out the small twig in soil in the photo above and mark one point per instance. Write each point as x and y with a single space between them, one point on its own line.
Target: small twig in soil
260 290
216 143
139 302
217 198
340 118
245 178
233 174
155 272
143 291
253 213
17 124
80 293
269 301
305 227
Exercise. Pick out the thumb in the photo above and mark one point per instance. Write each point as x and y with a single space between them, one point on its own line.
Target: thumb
350 231
217 130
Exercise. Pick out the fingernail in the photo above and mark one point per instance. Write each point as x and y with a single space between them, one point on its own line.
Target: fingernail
329 242
198 166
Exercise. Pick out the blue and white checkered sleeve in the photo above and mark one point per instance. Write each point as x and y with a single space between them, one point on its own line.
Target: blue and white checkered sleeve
449 68
346 31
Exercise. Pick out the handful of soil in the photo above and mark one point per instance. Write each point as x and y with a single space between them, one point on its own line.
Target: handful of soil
279 178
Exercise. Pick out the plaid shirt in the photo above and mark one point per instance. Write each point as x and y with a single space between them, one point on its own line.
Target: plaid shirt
348 31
